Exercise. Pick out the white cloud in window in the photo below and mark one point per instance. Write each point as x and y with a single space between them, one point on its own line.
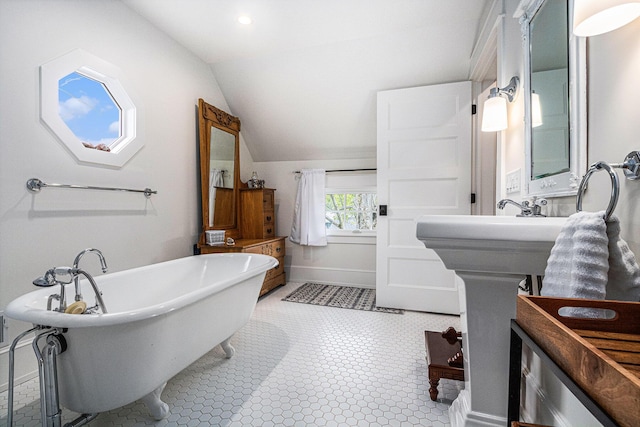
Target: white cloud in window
115 127
76 107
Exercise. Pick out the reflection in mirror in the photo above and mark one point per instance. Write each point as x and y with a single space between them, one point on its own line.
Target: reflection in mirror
555 76
88 109
221 168
549 81
219 171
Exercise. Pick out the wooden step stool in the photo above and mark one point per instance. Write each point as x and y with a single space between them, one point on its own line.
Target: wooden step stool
444 358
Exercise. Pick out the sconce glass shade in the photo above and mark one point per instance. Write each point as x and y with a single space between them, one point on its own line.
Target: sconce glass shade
494 115
536 111
593 17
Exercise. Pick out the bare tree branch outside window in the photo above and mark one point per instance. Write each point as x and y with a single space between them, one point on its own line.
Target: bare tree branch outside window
351 211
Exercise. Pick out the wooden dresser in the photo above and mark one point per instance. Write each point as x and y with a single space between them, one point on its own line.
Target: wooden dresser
257 224
274 247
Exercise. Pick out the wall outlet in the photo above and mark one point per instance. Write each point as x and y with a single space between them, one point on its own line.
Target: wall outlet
513 182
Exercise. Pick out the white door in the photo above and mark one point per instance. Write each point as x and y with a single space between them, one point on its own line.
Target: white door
424 167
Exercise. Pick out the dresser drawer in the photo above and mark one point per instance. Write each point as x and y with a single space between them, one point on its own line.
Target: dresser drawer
269 218
255 249
267 199
269 231
276 271
272 283
274 249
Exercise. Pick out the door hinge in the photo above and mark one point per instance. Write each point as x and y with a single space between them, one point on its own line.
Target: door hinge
473 198
474 109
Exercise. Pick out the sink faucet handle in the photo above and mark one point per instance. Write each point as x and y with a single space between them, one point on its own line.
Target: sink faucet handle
538 201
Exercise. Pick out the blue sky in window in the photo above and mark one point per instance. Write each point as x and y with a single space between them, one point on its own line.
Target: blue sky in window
88 109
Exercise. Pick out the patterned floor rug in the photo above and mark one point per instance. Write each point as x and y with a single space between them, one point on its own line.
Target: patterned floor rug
338 296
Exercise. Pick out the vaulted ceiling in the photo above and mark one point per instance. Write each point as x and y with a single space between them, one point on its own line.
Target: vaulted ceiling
303 76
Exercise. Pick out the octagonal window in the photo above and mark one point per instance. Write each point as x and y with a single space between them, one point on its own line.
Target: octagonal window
88 110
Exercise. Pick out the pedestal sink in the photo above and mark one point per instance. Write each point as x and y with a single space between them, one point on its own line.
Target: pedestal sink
492 255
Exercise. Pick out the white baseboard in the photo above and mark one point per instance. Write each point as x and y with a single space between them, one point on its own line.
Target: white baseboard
332 276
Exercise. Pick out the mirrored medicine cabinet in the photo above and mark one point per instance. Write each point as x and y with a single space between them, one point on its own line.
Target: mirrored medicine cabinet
555 73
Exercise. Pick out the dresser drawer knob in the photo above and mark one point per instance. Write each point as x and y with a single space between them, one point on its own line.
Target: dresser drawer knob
278 249
268 231
268 218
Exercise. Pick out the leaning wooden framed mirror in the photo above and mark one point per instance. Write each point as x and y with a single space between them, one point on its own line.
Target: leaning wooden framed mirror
219 169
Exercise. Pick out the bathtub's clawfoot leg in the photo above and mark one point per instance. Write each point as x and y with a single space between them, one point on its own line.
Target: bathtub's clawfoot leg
228 349
157 408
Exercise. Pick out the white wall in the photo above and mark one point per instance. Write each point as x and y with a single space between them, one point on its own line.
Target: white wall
48 229
613 128
342 261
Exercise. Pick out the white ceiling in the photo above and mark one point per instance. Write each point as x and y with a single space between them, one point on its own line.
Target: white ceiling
303 77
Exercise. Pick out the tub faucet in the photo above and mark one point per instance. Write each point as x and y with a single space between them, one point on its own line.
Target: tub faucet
76 262
51 278
527 208
94 285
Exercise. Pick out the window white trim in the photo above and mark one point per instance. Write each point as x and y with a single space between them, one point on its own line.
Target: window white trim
91 66
353 239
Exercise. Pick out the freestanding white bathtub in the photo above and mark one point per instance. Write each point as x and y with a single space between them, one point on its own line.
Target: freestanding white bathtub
161 318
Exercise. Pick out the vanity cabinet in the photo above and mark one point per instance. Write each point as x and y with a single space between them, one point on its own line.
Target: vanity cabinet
274 247
257 213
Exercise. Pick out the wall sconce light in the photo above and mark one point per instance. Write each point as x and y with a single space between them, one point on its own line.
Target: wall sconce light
593 17
494 115
536 111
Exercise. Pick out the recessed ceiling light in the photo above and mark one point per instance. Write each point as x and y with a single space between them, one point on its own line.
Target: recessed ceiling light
245 20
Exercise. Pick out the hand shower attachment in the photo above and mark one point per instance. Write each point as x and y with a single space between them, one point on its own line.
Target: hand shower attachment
51 278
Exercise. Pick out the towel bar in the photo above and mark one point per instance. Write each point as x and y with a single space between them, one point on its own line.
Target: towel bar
34 185
631 167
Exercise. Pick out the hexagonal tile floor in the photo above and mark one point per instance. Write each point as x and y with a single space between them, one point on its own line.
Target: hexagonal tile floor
295 365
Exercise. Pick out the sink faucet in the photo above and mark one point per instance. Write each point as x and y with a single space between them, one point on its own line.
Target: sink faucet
527 208
76 262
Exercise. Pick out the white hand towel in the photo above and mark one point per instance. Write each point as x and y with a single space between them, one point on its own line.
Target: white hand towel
578 266
624 272
590 260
